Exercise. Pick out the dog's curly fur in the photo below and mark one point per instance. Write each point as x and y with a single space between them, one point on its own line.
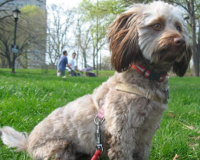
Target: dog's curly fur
153 35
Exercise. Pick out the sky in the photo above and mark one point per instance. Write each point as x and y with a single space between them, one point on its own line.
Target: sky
70 3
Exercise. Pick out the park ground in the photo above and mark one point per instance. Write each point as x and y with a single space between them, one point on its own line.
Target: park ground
28 96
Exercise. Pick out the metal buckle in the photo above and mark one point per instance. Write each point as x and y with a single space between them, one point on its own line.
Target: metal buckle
98 122
100 147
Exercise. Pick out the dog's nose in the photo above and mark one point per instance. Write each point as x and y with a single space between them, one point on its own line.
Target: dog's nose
179 41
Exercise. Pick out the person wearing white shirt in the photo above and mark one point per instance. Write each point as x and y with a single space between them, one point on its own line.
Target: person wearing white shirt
72 65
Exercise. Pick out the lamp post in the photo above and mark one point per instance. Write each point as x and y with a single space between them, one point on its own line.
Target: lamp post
16 14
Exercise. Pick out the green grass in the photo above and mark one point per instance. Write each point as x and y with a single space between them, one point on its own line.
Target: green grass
180 127
28 96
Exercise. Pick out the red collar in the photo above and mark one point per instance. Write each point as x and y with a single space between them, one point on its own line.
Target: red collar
148 73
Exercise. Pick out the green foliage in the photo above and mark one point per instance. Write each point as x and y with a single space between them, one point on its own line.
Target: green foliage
32 10
101 8
100 14
31 31
33 23
30 95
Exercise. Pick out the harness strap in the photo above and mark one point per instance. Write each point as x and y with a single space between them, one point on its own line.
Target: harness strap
136 91
100 114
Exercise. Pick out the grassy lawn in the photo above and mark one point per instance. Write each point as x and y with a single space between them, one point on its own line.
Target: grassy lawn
28 96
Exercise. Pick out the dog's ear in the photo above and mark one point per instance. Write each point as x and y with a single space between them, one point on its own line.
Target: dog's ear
181 67
123 39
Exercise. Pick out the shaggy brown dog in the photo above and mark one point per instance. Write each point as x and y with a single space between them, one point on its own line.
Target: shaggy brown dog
146 42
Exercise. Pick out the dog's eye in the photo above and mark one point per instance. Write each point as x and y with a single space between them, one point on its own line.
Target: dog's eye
157 26
178 28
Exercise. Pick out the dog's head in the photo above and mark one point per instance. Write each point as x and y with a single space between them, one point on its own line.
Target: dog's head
155 32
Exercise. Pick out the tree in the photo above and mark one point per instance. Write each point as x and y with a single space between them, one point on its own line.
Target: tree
193 16
4 14
58 32
105 65
83 39
97 15
31 34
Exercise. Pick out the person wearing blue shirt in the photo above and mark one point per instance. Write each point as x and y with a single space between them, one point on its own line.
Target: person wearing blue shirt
63 64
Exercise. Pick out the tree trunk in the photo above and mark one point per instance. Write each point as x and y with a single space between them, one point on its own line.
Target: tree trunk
84 59
194 44
9 62
198 43
93 59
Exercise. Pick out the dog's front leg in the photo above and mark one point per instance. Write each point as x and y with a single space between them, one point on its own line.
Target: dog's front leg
142 151
121 137
124 146
144 138
121 146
